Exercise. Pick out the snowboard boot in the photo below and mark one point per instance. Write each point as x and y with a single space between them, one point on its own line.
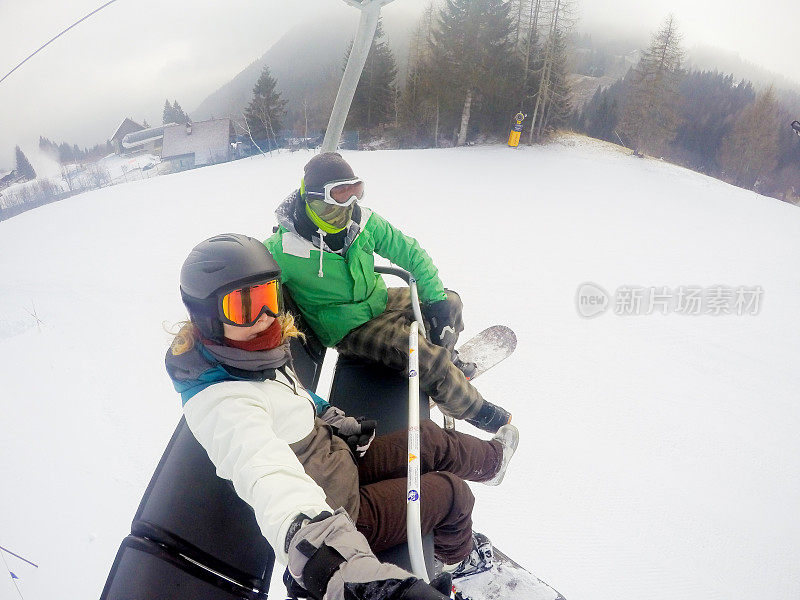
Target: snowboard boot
468 368
480 559
508 436
490 417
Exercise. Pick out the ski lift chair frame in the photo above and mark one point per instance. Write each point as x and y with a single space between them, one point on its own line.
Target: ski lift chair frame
193 538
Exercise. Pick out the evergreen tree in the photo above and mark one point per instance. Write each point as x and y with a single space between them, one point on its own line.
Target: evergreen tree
650 116
265 113
473 55
750 151
168 116
181 118
600 116
23 166
66 154
173 113
373 102
709 103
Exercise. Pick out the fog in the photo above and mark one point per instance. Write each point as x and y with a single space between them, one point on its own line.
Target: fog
762 32
128 58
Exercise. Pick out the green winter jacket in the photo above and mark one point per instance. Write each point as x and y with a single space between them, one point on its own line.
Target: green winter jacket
342 291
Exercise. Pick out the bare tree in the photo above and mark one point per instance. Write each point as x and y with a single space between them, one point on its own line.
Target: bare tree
650 116
552 96
531 37
419 101
245 126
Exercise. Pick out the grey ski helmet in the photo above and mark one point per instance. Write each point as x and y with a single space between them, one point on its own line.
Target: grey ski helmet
217 266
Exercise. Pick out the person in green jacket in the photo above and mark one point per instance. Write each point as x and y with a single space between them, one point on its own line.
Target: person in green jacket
326 245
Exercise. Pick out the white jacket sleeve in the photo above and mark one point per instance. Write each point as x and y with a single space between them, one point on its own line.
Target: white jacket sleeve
234 425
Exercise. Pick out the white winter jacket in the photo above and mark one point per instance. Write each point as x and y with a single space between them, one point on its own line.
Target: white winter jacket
246 428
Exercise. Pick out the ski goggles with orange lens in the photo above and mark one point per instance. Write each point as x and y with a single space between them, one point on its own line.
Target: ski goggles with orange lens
244 306
339 193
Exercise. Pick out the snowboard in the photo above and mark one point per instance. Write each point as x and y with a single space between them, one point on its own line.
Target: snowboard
488 348
506 580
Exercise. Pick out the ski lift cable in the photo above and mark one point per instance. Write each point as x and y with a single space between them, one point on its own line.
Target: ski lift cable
43 46
17 556
13 578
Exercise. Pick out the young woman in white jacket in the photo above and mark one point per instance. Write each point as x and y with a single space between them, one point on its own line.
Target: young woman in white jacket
326 493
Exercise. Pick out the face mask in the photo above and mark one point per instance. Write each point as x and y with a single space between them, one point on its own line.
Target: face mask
328 217
266 340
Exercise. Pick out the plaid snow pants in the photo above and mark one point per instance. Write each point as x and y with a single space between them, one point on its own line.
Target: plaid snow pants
384 340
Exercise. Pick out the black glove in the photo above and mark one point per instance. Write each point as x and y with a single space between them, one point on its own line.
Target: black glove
490 417
329 558
442 331
358 432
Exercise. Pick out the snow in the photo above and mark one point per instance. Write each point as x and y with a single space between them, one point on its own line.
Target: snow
505 581
659 454
130 168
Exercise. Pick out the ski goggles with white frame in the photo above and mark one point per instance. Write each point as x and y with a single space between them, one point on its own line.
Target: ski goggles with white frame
339 193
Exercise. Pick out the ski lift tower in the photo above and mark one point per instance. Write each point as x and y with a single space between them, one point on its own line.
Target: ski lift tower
370 11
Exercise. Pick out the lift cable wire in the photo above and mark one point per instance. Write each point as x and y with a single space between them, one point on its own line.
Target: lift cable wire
55 38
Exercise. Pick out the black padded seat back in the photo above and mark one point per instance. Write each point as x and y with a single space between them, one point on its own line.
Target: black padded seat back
192 508
378 392
308 354
144 569
187 510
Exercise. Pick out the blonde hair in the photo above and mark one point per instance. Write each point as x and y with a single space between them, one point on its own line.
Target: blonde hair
188 334
288 327
184 337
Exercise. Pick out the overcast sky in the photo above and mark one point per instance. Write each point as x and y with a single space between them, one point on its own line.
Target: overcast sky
126 59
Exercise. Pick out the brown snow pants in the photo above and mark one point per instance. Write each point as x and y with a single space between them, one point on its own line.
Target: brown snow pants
384 339
448 458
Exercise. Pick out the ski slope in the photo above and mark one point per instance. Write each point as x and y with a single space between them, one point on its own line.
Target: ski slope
659 454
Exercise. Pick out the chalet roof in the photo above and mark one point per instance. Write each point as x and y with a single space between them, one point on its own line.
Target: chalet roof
127 126
205 135
141 137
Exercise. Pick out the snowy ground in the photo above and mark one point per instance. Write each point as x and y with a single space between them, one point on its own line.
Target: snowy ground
659 457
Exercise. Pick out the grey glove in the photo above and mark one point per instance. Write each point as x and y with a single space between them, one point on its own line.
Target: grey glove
357 432
329 558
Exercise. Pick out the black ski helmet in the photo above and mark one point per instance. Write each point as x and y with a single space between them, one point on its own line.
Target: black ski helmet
217 266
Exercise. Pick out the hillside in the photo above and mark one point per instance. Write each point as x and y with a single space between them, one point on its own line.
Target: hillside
659 456
307 63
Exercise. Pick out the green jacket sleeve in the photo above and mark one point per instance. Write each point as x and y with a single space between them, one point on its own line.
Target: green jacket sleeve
406 252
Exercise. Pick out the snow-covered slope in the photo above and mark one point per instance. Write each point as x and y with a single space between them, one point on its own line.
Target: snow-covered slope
659 456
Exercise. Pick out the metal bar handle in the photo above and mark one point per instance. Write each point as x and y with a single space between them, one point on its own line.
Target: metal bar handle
413 488
413 491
